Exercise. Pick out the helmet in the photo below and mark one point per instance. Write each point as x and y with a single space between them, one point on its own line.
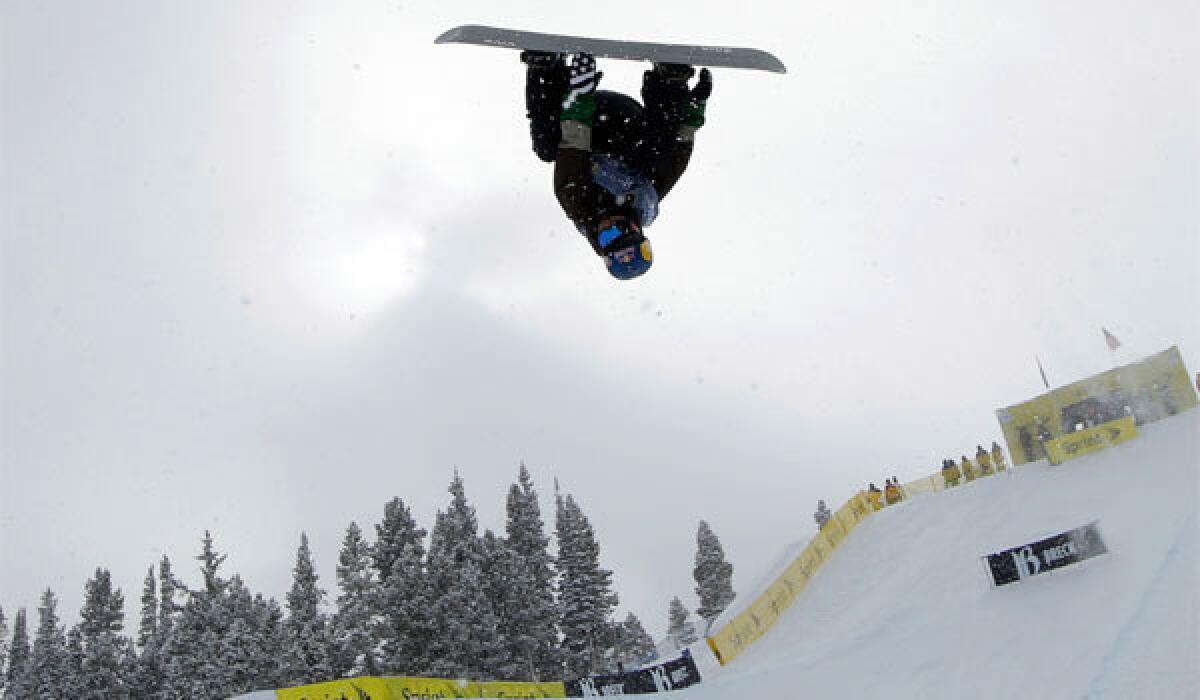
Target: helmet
625 250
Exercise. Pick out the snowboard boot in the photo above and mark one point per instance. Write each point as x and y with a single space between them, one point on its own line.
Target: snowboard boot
546 79
665 93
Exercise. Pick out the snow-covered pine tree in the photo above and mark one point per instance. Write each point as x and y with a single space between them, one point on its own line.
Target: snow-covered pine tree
353 630
18 658
168 607
585 595
250 650
397 532
406 616
103 646
404 604
306 635
193 665
501 576
146 676
47 673
148 622
464 646
680 629
3 649
130 667
533 626
76 684
635 646
713 575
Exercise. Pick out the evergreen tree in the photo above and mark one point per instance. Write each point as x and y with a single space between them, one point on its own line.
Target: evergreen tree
680 629
102 646
353 634
192 652
404 606
210 565
585 593
306 646
148 624
3 650
533 623
18 659
396 533
250 648
76 683
168 607
462 613
501 575
713 575
47 674
406 613
635 646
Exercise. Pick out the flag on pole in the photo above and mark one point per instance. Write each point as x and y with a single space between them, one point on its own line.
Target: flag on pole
1110 339
1042 371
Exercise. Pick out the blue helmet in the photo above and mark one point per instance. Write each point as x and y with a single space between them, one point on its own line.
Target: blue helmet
625 250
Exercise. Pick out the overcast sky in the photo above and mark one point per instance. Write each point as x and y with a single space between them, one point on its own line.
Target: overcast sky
267 265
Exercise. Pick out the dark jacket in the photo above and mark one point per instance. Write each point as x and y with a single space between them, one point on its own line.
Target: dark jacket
624 129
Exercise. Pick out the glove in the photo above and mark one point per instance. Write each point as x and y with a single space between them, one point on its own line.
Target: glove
579 105
693 108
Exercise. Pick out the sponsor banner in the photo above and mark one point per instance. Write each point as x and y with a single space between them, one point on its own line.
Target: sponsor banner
506 689
411 688
1084 442
1026 561
1151 389
753 622
366 688
672 675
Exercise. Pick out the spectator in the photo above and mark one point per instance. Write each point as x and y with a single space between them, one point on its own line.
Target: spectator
998 457
891 492
950 473
984 459
875 496
1026 441
822 515
968 469
1043 433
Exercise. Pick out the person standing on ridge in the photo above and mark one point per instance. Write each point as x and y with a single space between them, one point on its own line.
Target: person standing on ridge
614 159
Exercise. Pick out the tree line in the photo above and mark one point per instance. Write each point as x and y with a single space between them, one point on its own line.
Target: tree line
450 603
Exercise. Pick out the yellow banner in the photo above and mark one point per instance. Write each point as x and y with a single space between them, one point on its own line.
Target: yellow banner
1149 390
506 689
1084 442
366 688
407 688
753 622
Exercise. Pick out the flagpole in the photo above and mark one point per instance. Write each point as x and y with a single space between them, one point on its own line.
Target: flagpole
1111 341
1042 372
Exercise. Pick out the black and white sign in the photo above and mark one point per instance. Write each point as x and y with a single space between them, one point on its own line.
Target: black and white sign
1052 553
672 675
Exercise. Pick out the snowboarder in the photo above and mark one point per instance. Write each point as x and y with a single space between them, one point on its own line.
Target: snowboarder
614 159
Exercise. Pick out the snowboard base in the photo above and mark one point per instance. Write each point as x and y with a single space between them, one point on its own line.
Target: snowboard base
692 55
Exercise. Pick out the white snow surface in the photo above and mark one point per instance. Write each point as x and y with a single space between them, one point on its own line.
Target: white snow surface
904 608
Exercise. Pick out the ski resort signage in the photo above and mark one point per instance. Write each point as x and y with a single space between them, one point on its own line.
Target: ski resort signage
1029 560
672 675
1084 442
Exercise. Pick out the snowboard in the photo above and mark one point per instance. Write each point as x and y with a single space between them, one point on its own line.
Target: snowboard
692 55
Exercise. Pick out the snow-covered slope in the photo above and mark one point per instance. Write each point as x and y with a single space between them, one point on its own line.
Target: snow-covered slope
904 607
